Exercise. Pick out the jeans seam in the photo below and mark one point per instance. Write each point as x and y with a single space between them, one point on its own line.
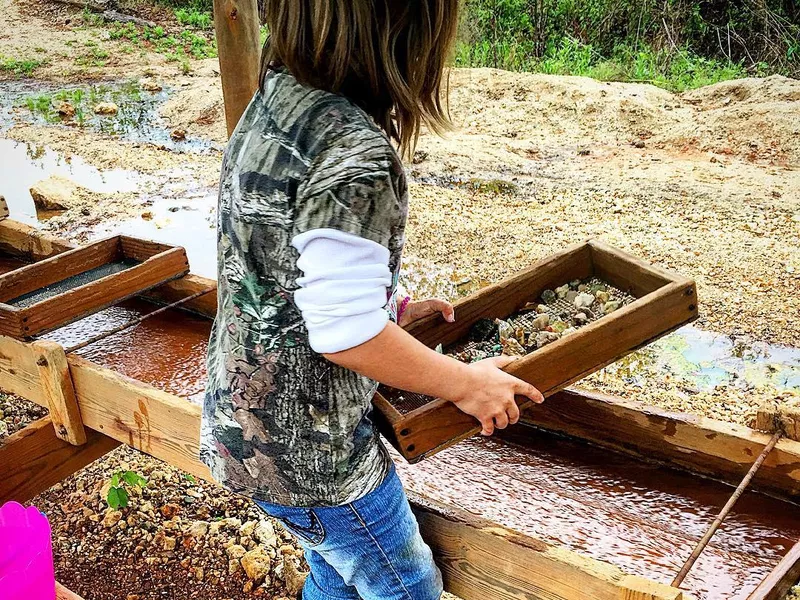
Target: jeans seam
383 553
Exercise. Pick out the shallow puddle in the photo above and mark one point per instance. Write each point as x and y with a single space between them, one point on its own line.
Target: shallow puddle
137 118
702 360
24 165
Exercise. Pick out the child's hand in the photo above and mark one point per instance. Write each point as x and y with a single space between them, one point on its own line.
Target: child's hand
488 394
414 311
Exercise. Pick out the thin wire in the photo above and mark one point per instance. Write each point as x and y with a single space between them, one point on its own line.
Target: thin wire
138 320
701 545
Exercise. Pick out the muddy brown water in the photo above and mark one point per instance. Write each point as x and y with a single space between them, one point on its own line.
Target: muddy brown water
642 517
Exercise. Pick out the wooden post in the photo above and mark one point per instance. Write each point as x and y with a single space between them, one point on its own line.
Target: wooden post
237 26
59 391
3 208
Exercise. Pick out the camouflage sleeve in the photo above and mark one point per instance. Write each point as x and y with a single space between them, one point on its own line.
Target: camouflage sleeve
352 186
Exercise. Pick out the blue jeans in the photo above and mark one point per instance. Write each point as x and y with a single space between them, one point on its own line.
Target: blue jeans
369 549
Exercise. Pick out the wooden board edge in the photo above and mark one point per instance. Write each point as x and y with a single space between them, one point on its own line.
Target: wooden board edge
21 240
480 559
781 579
34 459
627 271
707 447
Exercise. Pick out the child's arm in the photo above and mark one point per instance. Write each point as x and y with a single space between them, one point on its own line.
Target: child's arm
481 389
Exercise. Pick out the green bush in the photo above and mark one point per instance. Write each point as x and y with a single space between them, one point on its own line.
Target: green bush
675 43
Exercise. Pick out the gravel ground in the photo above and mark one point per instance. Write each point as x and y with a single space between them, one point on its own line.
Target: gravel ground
177 538
16 413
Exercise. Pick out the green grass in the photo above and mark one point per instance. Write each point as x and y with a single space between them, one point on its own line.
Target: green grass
677 70
191 17
174 47
24 67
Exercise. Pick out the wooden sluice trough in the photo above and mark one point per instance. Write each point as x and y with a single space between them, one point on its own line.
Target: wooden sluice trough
94 408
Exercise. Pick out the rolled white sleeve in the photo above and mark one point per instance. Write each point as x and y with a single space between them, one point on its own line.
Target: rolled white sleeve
343 290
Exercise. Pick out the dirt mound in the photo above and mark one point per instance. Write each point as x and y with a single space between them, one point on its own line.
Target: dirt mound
548 107
756 119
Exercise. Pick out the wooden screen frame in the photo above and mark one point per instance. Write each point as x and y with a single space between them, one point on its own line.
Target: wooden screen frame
664 302
157 263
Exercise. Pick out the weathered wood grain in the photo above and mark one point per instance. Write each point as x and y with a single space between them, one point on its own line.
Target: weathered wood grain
57 387
480 559
709 447
34 459
781 579
139 415
237 28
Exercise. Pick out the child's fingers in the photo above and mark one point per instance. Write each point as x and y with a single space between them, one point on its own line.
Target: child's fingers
441 306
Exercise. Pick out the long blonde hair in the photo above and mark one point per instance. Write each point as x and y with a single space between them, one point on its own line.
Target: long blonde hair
387 56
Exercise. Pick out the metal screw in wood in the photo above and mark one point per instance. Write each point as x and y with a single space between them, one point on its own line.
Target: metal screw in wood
723 514
138 320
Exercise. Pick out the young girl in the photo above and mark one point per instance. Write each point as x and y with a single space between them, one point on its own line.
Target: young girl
312 212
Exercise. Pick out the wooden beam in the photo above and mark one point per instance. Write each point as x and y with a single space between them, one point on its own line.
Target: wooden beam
237 26
27 242
780 418
34 459
57 388
480 559
785 575
714 448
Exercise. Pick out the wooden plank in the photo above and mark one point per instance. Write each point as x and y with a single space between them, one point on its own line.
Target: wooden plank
19 373
34 459
57 388
57 268
784 418
142 250
713 448
440 424
480 559
628 272
785 575
139 415
237 28
178 289
63 593
19 239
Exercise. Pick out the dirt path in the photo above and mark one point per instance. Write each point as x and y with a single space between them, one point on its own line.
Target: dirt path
706 183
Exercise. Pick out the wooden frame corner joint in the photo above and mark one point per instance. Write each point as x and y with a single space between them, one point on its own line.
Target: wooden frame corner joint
59 391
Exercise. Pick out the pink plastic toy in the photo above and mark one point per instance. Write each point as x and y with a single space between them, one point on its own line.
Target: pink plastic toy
26 554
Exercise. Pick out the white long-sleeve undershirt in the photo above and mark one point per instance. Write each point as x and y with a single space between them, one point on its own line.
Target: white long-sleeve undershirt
343 290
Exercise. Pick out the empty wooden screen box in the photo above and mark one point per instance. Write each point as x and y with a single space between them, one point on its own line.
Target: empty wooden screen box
48 294
419 426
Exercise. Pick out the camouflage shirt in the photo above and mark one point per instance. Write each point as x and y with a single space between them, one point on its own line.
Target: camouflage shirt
280 422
